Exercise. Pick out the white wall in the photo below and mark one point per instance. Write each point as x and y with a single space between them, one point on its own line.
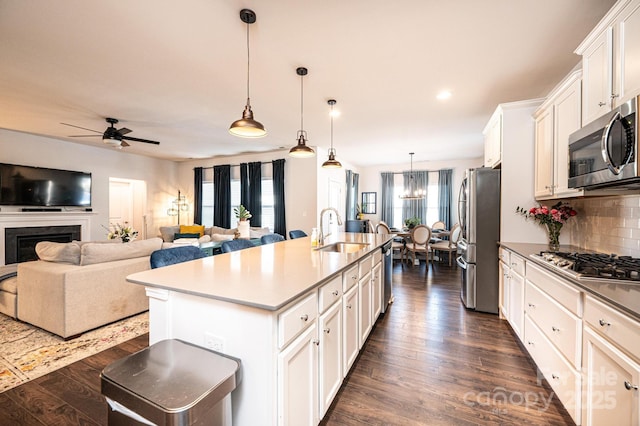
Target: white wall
102 163
370 180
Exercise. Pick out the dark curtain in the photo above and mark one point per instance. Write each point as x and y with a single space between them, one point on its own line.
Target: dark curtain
444 196
349 204
197 195
279 221
255 193
222 196
386 203
244 186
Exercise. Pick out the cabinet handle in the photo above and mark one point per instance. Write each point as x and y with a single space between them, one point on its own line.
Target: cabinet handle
316 342
554 328
614 95
513 263
305 318
601 104
335 292
530 343
327 330
354 277
555 376
603 323
629 386
349 306
531 305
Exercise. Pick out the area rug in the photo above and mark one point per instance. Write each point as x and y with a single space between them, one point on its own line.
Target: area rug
28 352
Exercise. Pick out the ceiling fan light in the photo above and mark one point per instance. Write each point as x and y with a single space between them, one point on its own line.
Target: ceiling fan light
112 141
247 127
301 150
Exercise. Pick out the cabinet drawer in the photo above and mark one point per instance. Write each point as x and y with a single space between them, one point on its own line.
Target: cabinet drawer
295 319
560 326
616 326
376 257
516 263
564 293
565 380
349 278
364 266
330 293
504 255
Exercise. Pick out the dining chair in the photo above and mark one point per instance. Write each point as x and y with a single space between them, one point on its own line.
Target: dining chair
235 245
450 245
370 228
170 256
438 226
382 228
297 233
271 238
420 242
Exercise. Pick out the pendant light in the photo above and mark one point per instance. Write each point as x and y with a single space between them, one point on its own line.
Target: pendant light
301 150
412 193
332 163
247 127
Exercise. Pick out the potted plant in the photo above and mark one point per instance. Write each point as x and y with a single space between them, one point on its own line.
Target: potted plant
412 222
243 215
359 213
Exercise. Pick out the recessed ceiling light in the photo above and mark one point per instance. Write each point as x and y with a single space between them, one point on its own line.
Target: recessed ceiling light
445 94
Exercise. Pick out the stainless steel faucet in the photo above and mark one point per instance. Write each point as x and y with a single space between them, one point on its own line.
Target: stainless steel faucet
322 234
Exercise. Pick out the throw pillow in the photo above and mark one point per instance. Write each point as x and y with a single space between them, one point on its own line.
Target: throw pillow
189 235
192 229
221 237
58 252
166 232
100 253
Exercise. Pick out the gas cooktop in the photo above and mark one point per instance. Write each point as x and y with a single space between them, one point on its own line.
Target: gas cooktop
594 266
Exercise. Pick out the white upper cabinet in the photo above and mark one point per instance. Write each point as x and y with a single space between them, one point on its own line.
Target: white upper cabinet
611 60
493 140
556 119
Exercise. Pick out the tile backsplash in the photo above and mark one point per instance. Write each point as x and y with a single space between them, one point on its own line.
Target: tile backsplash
607 224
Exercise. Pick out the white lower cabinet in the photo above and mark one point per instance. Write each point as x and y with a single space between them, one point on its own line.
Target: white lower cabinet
330 373
512 270
364 303
350 334
298 380
376 291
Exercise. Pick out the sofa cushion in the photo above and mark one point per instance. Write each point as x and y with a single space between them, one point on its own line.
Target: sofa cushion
178 235
167 232
59 252
192 229
223 231
100 253
222 237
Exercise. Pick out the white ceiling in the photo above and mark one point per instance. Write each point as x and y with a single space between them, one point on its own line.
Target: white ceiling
176 71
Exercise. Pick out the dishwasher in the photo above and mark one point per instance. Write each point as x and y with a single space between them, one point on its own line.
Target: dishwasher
387 273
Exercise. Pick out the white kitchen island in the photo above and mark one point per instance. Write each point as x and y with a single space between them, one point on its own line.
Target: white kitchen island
296 317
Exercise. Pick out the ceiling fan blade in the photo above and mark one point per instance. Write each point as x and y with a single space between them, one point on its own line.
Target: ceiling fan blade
78 127
124 131
124 144
140 140
82 136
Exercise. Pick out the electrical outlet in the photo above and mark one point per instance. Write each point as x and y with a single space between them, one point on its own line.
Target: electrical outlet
215 343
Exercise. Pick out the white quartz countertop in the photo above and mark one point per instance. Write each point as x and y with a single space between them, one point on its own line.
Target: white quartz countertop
267 277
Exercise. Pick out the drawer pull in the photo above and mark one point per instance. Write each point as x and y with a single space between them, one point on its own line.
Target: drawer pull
349 306
354 277
601 104
530 343
316 342
305 317
327 330
555 376
603 323
531 305
554 328
335 292
629 386
514 263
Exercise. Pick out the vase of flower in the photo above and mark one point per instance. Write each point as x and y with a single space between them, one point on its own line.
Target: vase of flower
551 218
243 215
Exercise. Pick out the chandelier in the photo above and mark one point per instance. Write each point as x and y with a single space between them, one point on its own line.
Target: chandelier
413 192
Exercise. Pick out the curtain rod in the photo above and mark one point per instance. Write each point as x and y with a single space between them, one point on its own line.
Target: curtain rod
238 165
409 171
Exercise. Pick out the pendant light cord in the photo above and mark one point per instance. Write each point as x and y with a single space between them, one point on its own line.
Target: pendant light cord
331 127
248 64
301 103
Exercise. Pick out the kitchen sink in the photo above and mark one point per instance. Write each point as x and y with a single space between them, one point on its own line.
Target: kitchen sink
343 247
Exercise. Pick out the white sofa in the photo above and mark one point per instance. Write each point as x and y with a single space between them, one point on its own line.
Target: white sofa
78 286
213 233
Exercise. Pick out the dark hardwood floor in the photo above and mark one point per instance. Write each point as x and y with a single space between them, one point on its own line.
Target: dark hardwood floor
428 361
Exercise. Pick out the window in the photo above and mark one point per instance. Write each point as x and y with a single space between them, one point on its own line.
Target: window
207 197
432 200
267 203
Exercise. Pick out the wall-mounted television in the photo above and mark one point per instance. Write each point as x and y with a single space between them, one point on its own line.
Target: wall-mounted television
39 186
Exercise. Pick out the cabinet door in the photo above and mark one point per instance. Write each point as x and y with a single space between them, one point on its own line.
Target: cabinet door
597 75
493 142
298 380
628 52
567 119
516 302
544 155
350 335
610 389
364 304
330 373
376 292
505 287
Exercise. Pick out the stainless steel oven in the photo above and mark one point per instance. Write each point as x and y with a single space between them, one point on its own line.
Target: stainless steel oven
604 152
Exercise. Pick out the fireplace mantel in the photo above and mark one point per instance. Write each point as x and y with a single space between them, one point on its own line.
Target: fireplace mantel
27 219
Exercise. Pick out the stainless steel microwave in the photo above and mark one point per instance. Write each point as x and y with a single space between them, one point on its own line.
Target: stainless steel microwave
605 152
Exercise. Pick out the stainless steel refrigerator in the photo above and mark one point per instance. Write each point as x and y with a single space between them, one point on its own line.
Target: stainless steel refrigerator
479 218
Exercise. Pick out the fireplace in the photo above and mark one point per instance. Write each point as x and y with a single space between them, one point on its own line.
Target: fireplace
20 243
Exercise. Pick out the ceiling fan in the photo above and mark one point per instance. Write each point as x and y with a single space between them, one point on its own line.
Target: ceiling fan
112 136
